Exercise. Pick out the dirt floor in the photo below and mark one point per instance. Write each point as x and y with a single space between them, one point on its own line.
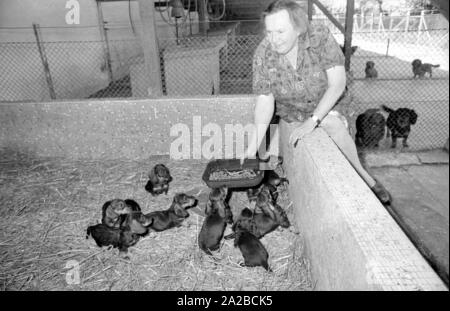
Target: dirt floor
47 204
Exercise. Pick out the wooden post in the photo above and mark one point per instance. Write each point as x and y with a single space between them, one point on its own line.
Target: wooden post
348 32
104 38
41 48
202 13
371 22
407 20
310 9
151 48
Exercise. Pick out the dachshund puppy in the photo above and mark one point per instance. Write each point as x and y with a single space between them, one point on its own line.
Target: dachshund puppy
134 206
112 210
253 251
136 222
215 222
370 128
260 224
174 215
117 238
420 69
354 48
399 123
271 182
370 70
159 179
271 217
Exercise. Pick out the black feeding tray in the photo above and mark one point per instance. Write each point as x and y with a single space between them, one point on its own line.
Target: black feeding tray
239 176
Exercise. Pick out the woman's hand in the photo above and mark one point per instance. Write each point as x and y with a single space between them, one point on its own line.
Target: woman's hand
307 127
248 154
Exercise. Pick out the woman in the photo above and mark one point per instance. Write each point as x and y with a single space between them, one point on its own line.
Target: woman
301 66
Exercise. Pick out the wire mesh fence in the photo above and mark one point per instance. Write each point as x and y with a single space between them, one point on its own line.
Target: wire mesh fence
221 63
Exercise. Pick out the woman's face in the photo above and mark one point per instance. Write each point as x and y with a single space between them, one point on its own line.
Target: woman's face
280 31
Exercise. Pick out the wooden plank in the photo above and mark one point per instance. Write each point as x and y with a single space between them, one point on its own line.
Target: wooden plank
151 48
203 23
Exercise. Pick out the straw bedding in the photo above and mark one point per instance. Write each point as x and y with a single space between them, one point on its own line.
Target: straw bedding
47 204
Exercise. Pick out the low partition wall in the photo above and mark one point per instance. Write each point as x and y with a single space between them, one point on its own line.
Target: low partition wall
351 240
111 129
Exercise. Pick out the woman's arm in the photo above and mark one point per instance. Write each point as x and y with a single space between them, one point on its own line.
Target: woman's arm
336 85
264 108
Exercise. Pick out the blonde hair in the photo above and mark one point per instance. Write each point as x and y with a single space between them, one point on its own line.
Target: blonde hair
296 13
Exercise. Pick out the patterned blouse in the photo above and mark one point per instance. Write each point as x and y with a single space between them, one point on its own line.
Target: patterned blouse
297 92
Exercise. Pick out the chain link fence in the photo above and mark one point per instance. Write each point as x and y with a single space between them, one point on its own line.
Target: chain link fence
221 63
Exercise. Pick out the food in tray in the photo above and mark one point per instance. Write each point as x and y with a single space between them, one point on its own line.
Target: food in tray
224 174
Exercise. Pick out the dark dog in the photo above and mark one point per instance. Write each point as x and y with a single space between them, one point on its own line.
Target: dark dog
270 182
271 217
118 238
354 48
260 224
399 123
370 70
159 179
218 213
253 251
134 206
174 215
420 69
370 128
135 221
112 210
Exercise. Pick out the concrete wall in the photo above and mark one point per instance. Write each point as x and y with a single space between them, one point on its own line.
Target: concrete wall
113 129
351 240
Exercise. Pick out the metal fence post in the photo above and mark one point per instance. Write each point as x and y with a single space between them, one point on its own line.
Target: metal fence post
48 77
387 48
104 38
407 20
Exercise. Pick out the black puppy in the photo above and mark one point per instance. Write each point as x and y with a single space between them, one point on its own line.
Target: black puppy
399 123
253 251
174 215
271 217
135 221
118 238
370 70
370 128
159 179
112 210
420 69
260 224
270 182
218 213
